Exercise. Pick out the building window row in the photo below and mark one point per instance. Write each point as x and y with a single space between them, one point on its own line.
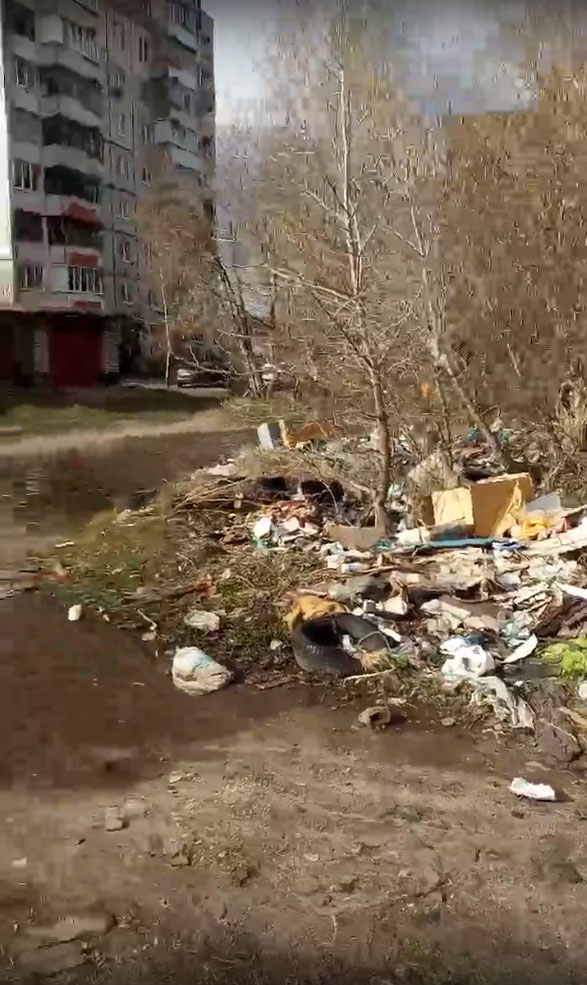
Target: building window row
30 276
184 15
25 73
83 39
25 175
84 280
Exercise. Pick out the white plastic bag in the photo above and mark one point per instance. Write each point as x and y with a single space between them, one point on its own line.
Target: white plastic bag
465 660
533 791
194 672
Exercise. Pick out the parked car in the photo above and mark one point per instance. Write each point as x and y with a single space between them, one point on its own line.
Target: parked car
205 374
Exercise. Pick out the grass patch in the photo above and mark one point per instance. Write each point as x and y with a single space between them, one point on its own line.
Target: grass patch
128 566
33 419
249 412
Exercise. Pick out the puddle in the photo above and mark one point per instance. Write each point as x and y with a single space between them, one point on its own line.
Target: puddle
47 499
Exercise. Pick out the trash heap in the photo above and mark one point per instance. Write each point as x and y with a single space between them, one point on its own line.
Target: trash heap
482 585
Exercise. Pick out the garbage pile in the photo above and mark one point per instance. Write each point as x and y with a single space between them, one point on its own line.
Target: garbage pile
487 591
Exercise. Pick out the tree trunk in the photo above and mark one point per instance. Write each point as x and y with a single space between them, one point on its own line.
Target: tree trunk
384 443
492 440
167 336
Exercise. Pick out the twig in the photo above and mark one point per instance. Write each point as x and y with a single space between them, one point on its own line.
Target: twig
364 677
150 622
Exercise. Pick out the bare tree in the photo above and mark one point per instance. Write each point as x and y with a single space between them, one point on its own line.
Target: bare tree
200 289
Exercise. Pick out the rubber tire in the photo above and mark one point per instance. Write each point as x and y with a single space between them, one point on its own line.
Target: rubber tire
318 658
363 631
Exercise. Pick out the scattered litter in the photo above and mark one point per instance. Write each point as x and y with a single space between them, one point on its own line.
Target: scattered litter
532 791
311 607
194 672
582 691
224 471
262 528
20 863
74 613
465 659
570 656
523 650
507 707
207 622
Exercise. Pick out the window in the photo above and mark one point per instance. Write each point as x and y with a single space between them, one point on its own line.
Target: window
64 231
124 292
121 124
118 79
147 133
148 254
187 102
147 8
123 208
20 20
143 49
122 166
27 226
30 276
83 39
25 176
150 298
125 250
60 180
183 15
84 280
24 73
145 176
59 129
119 33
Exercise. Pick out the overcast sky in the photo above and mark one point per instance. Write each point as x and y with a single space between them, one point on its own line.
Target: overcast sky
462 53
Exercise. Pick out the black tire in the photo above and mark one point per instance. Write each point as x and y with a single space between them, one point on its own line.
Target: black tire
363 632
317 649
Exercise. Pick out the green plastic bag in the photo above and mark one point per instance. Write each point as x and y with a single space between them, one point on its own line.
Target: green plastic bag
571 656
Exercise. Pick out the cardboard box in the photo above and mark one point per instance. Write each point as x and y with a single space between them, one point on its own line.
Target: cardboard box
454 507
496 501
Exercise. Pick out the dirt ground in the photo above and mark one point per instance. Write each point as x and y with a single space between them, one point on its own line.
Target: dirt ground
268 837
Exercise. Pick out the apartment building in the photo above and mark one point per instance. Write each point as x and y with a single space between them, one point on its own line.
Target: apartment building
97 96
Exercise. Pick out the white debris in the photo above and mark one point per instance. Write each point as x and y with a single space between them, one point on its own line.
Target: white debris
223 471
194 672
582 691
263 528
466 660
532 791
74 613
507 706
207 622
523 650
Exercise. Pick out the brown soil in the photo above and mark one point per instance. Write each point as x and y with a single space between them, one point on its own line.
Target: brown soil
291 845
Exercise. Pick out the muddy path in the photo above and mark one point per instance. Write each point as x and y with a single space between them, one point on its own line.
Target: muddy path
273 838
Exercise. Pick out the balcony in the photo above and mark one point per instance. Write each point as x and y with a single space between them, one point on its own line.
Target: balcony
75 256
54 49
71 108
181 34
71 157
23 47
185 159
72 207
174 133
